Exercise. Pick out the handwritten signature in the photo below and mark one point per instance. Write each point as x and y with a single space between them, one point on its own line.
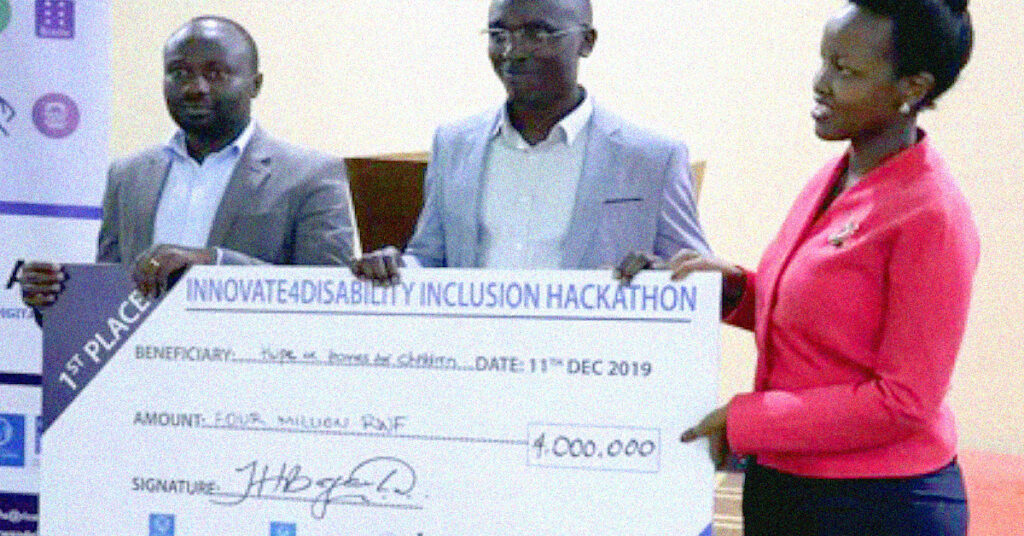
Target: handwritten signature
381 481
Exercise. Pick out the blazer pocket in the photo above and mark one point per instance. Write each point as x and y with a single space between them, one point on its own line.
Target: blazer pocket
623 200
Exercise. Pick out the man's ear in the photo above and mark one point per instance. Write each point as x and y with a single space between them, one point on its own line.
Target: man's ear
914 88
589 40
257 84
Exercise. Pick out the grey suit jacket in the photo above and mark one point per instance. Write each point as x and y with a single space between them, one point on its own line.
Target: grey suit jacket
283 205
635 194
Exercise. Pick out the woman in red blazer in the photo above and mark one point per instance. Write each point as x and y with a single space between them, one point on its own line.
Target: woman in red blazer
859 305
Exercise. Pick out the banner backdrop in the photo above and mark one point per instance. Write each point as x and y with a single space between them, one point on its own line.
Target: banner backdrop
54 124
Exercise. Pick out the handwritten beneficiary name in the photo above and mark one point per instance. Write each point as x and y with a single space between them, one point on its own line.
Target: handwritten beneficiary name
452 294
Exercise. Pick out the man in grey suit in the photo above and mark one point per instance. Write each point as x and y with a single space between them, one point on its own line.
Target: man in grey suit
550 179
222 191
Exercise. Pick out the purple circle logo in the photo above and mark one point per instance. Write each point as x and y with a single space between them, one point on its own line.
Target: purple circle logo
55 115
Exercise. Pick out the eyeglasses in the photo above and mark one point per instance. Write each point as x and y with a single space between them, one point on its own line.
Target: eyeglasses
212 75
532 36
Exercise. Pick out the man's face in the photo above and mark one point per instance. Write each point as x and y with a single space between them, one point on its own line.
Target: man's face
209 80
537 75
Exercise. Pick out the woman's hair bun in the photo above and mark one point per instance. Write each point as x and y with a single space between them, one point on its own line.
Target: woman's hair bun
957 6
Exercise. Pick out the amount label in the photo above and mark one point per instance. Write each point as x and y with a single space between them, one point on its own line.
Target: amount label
603 448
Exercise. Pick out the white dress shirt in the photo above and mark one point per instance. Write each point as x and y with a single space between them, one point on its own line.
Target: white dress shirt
193 191
529 193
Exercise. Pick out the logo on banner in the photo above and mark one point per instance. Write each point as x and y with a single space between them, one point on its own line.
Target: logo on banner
55 115
5 14
17 517
12 440
161 525
282 529
55 19
19 513
7 113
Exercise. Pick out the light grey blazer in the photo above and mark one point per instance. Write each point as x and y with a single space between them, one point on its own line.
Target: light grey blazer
635 194
283 205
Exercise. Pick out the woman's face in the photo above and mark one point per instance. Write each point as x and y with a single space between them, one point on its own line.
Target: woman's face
855 91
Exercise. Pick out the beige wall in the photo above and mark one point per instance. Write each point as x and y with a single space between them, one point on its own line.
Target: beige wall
358 77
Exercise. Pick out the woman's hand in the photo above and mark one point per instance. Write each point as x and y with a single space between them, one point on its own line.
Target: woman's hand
734 280
688 261
712 427
684 263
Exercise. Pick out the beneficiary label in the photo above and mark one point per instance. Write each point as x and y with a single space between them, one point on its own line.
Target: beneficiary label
183 353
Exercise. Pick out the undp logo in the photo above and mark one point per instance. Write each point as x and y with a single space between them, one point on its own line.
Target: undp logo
282 529
55 115
12 440
5 14
55 19
161 525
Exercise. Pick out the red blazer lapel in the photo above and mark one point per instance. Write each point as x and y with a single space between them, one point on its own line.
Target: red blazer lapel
779 253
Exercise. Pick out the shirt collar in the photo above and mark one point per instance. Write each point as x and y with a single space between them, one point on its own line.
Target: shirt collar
176 144
566 130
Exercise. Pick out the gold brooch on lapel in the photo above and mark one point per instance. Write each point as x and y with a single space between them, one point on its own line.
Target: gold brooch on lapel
840 237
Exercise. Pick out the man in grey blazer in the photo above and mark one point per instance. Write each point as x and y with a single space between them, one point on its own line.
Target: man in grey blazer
282 204
550 179
634 194
222 190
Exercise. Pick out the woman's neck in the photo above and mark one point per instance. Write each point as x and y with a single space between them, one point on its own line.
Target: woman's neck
868 152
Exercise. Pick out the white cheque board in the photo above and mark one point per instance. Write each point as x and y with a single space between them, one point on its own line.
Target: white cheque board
298 401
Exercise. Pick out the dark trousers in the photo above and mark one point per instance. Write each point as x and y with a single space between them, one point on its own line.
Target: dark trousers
779 504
